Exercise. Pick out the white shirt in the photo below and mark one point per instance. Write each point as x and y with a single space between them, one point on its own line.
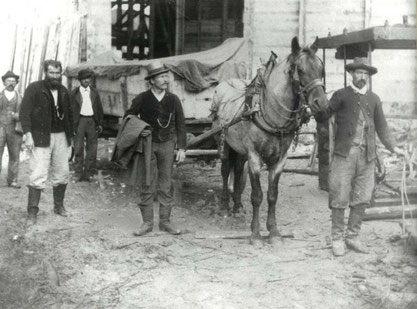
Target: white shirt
9 94
86 105
55 96
158 96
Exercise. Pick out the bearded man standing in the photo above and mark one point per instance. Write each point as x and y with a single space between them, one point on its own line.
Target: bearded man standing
46 117
359 116
9 121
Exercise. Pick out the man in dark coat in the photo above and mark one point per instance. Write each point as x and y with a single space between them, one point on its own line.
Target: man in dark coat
359 116
10 101
88 119
46 117
162 110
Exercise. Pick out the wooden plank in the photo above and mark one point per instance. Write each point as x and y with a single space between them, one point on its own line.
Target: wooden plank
43 51
301 171
234 234
389 212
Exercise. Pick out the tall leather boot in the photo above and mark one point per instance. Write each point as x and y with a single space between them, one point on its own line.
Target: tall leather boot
164 220
33 205
353 229
147 217
59 194
338 226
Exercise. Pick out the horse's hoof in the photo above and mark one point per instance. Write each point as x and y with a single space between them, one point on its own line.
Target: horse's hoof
256 242
274 240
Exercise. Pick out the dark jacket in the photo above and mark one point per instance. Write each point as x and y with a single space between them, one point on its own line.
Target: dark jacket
131 147
166 117
346 105
36 113
76 102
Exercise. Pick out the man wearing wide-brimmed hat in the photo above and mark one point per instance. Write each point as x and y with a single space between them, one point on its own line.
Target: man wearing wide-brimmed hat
358 116
162 110
10 128
88 119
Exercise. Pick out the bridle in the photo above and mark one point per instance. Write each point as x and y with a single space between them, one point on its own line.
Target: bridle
298 87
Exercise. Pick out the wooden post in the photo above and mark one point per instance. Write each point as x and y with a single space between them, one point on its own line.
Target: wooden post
28 60
129 52
12 56
224 19
43 52
151 29
179 27
57 38
344 65
199 4
370 63
119 21
124 93
301 20
324 68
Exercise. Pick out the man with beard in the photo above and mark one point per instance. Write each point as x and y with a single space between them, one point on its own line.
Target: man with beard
46 117
359 115
162 110
9 121
88 118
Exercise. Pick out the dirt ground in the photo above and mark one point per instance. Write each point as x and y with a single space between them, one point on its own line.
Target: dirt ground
92 260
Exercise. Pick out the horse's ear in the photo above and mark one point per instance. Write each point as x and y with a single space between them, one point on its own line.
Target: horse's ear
315 46
295 46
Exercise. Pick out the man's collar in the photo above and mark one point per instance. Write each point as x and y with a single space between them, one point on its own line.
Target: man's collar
85 89
362 91
158 95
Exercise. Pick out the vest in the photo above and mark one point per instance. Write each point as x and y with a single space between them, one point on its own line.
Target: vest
6 109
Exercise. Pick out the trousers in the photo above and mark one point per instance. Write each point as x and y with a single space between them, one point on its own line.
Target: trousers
53 159
13 141
86 137
351 179
161 171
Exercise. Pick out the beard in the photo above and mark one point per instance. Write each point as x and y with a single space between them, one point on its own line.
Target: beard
360 83
54 83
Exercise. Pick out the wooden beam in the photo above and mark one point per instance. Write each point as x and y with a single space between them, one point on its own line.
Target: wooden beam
130 30
179 27
234 234
389 212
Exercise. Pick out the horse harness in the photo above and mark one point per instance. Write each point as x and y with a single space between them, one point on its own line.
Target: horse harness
255 110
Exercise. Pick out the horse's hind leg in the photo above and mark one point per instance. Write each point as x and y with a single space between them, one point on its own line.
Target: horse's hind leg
225 171
255 164
239 184
273 179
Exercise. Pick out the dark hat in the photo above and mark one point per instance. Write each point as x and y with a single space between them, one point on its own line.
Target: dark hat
361 63
155 68
10 74
84 73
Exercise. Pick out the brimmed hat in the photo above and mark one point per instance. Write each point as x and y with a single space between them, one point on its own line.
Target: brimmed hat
155 68
84 73
10 74
361 63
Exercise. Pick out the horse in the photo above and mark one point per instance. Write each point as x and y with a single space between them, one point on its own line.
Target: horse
265 135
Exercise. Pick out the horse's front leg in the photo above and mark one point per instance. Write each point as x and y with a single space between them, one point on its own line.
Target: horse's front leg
273 178
239 184
255 164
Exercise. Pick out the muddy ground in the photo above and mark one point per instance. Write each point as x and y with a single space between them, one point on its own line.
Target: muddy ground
92 260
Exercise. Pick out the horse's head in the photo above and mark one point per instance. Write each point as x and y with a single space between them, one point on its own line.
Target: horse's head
307 72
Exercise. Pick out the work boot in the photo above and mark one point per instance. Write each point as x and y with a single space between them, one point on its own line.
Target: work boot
33 205
147 217
353 229
59 194
164 221
338 225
